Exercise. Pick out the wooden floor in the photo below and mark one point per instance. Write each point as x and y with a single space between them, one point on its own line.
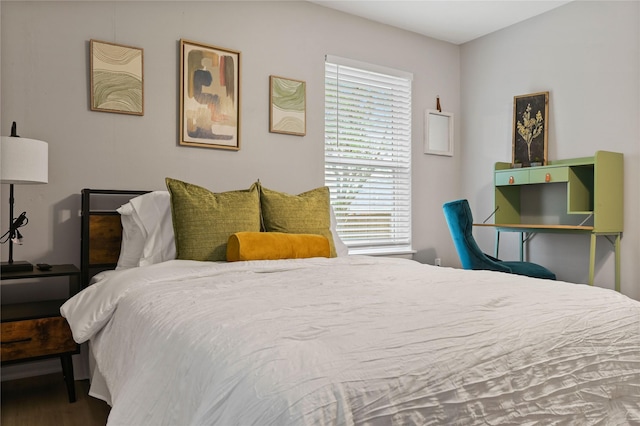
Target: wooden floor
43 401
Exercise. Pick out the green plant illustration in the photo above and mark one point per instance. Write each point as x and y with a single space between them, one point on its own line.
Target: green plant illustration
530 128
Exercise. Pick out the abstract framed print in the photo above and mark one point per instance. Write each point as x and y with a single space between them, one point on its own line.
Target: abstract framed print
209 96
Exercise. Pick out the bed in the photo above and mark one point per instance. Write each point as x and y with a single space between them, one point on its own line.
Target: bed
342 340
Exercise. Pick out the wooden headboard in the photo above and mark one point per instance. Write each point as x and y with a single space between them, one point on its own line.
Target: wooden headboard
101 232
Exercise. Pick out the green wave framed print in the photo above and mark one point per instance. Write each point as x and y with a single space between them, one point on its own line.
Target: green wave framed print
117 78
288 106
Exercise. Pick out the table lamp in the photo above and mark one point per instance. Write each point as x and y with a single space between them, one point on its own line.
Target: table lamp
24 161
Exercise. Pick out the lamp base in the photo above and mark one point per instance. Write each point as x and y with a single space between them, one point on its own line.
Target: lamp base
19 266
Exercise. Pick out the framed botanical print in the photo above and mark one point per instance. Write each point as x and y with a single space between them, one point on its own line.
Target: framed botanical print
287 100
116 74
209 96
530 129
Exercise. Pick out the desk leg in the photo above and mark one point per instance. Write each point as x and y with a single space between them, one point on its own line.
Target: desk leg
617 254
497 249
522 247
592 258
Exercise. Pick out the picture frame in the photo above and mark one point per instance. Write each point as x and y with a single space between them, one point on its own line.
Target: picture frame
287 106
209 96
438 132
530 129
116 78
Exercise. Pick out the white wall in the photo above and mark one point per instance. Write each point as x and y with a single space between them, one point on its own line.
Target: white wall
44 84
587 55
45 89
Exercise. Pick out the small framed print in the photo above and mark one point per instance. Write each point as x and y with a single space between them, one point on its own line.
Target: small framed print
288 106
530 129
209 96
438 133
117 80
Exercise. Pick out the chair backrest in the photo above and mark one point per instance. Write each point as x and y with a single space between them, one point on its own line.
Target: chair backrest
460 222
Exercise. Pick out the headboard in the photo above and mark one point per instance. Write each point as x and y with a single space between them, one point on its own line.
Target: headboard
101 232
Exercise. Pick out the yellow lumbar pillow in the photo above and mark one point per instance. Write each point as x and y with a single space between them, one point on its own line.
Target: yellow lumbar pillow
276 245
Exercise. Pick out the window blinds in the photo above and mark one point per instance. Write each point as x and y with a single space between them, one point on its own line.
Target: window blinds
368 153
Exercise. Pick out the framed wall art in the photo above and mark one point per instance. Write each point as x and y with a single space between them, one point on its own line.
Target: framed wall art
438 132
288 106
209 96
530 129
117 80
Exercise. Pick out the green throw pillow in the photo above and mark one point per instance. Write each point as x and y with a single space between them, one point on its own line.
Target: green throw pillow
306 213
203 220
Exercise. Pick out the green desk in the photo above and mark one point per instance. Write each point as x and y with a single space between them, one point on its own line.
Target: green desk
594 194
525 229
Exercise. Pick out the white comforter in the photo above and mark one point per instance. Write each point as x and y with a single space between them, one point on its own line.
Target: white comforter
358 340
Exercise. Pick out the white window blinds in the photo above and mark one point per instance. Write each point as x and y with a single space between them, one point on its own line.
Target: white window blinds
368 153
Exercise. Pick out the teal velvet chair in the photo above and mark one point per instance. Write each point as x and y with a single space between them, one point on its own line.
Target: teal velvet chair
460 221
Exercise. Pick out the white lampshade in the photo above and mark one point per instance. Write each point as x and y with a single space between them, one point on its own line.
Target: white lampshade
24 160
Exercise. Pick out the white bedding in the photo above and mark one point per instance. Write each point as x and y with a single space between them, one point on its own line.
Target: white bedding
358 340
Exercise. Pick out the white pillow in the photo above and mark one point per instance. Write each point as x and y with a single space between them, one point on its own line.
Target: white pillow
147 230
341 247
132 239
152 213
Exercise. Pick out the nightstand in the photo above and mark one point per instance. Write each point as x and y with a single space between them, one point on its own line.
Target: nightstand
35 330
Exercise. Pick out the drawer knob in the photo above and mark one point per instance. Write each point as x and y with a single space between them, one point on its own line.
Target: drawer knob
511 180
547 177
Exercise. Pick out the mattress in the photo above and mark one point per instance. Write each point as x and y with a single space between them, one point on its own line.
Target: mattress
357 340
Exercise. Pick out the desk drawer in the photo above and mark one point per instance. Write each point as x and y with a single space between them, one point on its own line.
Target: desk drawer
512 177
553 174
35 338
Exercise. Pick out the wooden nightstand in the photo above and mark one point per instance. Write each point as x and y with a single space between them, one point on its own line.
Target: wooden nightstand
35 330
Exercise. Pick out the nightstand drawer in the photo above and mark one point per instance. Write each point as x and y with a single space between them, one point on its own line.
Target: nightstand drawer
35 338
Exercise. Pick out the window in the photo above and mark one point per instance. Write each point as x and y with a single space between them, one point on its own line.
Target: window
367 154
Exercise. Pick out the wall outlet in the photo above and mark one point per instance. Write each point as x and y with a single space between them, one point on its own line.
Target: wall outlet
438 261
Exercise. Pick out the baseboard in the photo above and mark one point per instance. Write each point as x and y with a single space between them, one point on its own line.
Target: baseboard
30 369
46 366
